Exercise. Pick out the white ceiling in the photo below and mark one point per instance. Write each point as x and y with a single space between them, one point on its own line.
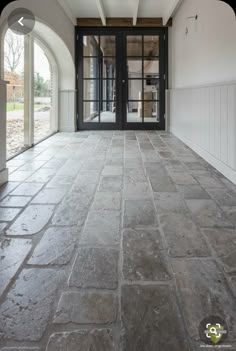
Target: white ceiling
120 8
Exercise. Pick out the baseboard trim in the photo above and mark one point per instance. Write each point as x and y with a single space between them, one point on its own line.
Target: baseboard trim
219 165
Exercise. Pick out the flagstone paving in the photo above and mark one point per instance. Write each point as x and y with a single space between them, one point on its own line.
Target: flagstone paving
114 241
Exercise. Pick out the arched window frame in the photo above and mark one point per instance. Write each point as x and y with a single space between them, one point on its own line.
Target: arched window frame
29 41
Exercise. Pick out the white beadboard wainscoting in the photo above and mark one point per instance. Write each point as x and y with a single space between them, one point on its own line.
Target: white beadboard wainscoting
205 119
67 104
3 169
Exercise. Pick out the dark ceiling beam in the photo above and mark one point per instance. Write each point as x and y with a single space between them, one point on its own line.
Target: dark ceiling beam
156 22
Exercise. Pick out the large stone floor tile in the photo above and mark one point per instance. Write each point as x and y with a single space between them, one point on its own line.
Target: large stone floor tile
207 214
193 192
27 308
43 175
102 227
60 181
8 214
160 181
169 202
136 190
204 292
223 241
32 220
95 268
208 180
223 197
182 178
86 308
19 176
143 257
49 196
110 184
27 189
183 237
12 254
15 201
5 189
72 211
133 175
82 340
112 171
107 201
139 213
20 349
2 227
151 320
56 247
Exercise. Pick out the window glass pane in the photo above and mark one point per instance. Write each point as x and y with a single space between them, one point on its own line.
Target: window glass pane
14 74
91 111
134 45
108 45
43 88
151 45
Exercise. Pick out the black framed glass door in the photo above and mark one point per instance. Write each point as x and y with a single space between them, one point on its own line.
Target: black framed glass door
120 78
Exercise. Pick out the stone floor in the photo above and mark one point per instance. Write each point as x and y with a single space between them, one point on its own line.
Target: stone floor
114 241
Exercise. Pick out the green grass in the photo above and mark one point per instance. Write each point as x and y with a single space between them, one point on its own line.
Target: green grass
15 107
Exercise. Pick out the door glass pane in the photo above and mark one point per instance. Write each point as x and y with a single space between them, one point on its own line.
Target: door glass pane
91 111
108 45
133 112
134 45
91 45
108 112
14 74
151 83
42 95
91 67
108 67
151 66
134 67
91 89
150 111
135 89
99 85
151 45
108 89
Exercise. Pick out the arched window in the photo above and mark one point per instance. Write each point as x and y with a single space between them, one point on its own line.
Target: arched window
31 71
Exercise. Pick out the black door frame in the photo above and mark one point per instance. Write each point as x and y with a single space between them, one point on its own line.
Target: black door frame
120 33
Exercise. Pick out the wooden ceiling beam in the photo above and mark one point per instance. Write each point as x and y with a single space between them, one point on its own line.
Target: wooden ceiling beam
156 22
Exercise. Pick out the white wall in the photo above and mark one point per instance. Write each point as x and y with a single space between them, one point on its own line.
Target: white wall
202 93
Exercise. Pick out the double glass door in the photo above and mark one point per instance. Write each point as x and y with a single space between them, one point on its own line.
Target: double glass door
121 78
